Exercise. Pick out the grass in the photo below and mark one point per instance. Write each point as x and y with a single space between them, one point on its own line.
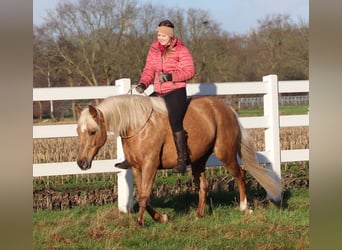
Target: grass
283 110
63 183
223 227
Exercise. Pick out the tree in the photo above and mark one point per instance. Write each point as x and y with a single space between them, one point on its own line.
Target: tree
280 48
95 42
86 37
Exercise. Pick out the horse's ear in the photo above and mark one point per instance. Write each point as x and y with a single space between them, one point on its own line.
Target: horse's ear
92 111
78 109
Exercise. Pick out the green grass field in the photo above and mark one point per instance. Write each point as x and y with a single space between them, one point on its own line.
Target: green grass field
223 227
283 110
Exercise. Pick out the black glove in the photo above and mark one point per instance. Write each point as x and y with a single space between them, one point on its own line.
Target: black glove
165 77
140 88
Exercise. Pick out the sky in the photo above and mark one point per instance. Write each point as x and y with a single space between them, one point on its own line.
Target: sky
234 16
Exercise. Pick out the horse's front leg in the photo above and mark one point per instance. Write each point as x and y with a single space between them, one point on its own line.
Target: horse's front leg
137 174
148 173
141 215
156 216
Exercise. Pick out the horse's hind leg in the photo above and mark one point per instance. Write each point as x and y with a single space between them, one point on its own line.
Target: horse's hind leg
239 175
198 172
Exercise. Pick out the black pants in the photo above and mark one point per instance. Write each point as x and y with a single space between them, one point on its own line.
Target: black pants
176 103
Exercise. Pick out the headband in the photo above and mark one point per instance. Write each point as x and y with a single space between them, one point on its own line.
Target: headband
165 30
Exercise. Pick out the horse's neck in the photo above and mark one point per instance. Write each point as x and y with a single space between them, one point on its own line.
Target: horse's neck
110 114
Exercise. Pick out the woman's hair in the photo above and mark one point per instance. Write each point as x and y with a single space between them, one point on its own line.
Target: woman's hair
166 23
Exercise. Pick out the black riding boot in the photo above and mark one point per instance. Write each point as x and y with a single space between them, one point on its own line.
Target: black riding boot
182 152
123 165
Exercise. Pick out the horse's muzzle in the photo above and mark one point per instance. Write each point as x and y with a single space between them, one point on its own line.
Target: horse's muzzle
84 164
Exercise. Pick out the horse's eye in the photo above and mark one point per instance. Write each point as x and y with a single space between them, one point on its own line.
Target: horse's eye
92 133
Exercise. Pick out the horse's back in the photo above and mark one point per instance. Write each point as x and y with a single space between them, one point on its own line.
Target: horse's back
209 110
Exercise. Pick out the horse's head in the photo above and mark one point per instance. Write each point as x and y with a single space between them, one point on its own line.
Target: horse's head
92 134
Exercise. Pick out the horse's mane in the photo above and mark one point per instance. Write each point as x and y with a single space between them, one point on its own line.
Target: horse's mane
122 112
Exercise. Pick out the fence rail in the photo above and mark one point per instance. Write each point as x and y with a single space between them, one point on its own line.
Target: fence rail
283 100
269 87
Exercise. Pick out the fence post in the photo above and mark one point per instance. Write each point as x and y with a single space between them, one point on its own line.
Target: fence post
125 190
125 178
124 84
271 111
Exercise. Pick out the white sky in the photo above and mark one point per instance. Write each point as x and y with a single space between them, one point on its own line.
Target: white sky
235 16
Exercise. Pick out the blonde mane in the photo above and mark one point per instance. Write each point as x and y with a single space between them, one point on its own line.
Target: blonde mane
123 112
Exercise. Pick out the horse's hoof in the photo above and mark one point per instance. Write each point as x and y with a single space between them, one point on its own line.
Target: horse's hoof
140 223
164 218
249 211
199 216
246 210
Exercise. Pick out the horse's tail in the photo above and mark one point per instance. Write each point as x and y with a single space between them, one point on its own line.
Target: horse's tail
267 178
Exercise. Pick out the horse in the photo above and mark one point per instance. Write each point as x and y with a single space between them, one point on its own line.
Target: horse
212 126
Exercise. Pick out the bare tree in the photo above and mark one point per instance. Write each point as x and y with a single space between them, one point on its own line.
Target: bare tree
95 42
279 44
87 36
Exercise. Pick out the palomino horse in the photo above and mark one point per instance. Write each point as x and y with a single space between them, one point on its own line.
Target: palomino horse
212 127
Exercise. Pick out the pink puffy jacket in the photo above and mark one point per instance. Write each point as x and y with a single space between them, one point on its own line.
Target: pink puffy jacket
179 63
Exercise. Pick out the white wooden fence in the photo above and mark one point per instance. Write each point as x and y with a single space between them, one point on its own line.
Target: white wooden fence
269 87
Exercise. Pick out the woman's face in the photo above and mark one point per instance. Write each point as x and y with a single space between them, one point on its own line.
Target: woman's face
163 38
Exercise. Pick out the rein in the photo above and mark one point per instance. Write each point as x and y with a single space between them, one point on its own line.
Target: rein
130 91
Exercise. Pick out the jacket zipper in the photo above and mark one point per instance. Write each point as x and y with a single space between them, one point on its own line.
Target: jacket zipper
162 70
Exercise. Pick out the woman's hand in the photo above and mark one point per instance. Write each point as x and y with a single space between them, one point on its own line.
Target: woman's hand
140 88
165 77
